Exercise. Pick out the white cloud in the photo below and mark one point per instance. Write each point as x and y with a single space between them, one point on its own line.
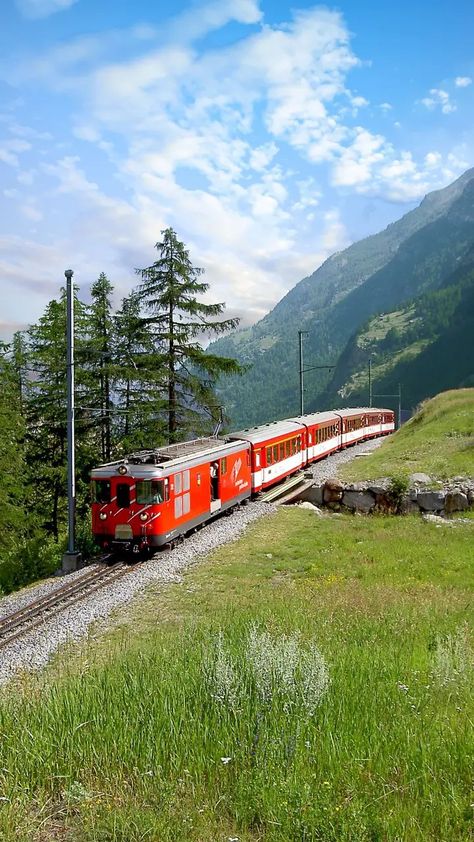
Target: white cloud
42 8
11 149
462 81
438 98
385 106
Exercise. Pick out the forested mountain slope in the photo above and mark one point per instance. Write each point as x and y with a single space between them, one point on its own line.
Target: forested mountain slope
427 346
412 256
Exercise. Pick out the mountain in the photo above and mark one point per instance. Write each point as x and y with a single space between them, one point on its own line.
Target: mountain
412 257
428 346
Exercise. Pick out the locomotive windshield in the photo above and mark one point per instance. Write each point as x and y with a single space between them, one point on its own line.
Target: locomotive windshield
101 491
150 491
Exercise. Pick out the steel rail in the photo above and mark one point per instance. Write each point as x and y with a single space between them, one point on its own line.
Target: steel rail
22 621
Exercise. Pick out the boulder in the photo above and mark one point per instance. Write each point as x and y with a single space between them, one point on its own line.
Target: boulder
431 501
359 501
309 506
420 479
439 521
333 491
408 506
455 501
384 503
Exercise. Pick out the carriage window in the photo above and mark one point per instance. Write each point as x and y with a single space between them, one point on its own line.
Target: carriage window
275 453
149 492
288 448
177 484
101 491
123 495
186 480
269 456
282 450
223 466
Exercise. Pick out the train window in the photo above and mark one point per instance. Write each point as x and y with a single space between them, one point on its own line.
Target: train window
282 450
287 448
269 456
177 484
123 495
186 503
298 444
275 453
101 491
178 507
150 491
223 467
186 480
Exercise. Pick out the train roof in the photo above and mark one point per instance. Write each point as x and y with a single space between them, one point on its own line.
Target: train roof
272 430
348 412
185 454
315 418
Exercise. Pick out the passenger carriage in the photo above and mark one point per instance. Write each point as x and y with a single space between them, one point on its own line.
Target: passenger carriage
154 497
323 433
278 449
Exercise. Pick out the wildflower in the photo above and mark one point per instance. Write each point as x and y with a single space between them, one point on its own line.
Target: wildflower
226 760
402 687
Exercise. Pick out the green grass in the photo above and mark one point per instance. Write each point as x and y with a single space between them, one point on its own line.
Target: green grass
123 739
438 440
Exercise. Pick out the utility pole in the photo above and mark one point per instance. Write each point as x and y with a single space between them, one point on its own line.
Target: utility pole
399 405
370 381
71 558
301 333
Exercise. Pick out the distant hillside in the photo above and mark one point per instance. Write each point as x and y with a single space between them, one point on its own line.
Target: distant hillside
438 440
426 346
410 258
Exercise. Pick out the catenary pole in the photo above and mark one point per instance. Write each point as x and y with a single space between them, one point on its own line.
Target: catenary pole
370 381
71 557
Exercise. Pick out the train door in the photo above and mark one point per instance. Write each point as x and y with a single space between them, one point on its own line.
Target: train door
215 486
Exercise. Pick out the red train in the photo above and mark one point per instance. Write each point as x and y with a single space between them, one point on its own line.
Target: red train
154 497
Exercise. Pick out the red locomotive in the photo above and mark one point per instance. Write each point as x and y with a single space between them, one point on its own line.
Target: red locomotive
154 497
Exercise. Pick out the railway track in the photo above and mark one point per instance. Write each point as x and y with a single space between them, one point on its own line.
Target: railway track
40 610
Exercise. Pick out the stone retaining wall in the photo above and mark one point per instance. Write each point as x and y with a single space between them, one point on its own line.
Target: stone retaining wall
387 495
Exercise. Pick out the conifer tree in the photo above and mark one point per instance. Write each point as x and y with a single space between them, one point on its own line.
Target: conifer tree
98 359
138 380
12 467
169 294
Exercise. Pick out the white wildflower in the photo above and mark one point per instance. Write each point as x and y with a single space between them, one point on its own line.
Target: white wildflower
453 657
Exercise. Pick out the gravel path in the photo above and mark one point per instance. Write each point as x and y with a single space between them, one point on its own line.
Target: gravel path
34 650
327 468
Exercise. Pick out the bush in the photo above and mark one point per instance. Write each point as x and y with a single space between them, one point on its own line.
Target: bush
30 559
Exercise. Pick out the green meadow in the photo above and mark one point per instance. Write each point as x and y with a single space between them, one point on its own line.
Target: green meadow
437 440
311 681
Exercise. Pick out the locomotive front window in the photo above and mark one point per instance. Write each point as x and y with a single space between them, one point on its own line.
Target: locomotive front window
101 491
150 492
123 495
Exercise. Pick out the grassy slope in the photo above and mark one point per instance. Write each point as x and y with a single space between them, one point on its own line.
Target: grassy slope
123 740
438 440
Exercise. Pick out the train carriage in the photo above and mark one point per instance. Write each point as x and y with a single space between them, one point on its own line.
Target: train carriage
154 497
364 422
322 433
278 449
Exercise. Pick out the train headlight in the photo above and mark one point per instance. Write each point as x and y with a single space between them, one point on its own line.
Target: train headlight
143 516
103 516
122 470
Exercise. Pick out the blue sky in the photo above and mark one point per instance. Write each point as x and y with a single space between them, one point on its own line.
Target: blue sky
268 134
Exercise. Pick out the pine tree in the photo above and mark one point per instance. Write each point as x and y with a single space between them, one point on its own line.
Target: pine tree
46 411
12 468
98 359
138 380
169 294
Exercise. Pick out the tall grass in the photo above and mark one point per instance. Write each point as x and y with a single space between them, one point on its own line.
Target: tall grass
269 698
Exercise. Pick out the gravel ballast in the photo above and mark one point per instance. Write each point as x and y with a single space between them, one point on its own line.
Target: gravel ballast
34 649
